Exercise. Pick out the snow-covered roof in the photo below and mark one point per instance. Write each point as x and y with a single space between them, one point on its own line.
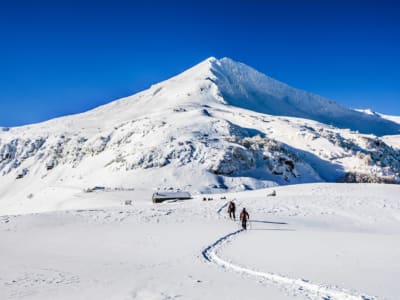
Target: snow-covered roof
171 195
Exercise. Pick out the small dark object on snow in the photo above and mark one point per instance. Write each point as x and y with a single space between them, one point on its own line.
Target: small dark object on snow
244 217
22 174
164 196
96 188
272 194
231 210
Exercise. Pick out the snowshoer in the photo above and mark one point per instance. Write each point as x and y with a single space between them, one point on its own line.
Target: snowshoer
244 217
231 210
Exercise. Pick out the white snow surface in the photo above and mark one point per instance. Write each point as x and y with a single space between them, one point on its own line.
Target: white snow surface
369 111
395 119
311 241
392 140
219 126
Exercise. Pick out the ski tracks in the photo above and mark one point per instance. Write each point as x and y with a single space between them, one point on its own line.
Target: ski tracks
310 290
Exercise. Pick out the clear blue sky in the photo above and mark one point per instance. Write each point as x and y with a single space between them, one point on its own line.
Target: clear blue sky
63 57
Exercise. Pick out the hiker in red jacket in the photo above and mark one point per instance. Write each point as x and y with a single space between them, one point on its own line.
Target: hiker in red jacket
244 217
231 210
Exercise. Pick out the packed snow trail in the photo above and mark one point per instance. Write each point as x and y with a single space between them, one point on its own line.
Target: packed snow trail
208 254
316 291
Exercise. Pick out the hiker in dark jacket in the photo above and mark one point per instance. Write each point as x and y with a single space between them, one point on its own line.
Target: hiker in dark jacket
244 217
231 210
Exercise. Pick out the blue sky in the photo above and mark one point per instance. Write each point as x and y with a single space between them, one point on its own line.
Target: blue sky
63 57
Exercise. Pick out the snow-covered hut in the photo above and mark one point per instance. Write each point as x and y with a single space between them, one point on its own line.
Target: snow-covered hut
163 196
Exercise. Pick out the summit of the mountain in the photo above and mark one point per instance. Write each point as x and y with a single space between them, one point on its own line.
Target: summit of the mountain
215 82
225 81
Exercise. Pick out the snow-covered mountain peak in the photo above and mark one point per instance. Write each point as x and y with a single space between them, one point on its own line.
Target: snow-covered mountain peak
225 81
241 71
214 82
220 125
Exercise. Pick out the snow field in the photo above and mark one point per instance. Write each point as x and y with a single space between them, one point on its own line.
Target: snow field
314 241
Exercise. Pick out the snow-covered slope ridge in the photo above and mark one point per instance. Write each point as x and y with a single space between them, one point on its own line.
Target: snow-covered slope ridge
245 87
369 111
205 130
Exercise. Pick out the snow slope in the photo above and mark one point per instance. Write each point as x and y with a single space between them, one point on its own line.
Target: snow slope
395 119
370 112
311 241
391 118
392 140
209 123
245 87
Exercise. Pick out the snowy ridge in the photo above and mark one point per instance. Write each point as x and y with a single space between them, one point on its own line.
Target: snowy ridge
395 119
245 87
392 140
369 111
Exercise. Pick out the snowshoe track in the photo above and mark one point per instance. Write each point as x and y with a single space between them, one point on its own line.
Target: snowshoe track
308 289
